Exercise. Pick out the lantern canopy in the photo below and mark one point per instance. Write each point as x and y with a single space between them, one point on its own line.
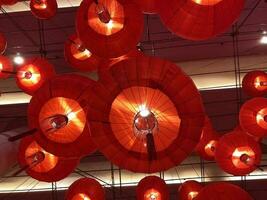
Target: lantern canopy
58 109
85 189
109 28
43 9
238 153
42 165
6 67
255 83
189 190
147 6
199 20
3 43
152 188
253 117
223 191
147 114
33 74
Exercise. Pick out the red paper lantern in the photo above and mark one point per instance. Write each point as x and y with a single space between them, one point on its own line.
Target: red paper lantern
147 115
42 165
152 188
199 20
253 117
208 142
238 153
225 191
3 43
8 2
109 28
85 189
43 9
6 67
255 83
33 74
58 109
189 190
147 6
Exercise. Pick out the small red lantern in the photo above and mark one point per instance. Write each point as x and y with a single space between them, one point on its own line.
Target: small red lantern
33 74
189 190
208 142
147 6
253 117
8 2
58 109
85 189
199 19
109 28
152 188
6 67
238 153
3 43
222 190
43 9
42 165
255 83
148 115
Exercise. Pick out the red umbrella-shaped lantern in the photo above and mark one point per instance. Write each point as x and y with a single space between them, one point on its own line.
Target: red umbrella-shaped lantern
147 114
147 6
43 9
6 67
3 43
78 56
109 28
189 190
33 74
85 189
208 142
58 109
253 117
152 188
238 153
255 83
199 19
8 2
224 191
42 165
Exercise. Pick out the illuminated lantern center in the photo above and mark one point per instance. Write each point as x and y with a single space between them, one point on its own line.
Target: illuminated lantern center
102 12
152 195
243 157
192 195
28 75
79 51
210 147
207 2
40 4
261 118
80 196
260 83
59 121
38 157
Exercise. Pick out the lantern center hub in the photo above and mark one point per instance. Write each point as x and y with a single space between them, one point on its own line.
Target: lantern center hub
27 75
245 158
265 118
59 121
38 157
103 13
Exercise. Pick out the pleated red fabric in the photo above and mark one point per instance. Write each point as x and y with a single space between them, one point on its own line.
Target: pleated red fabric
253 117
33 74
238 153
58 109
147 6
85 189
3 43
43 9
199 20
5 66
208 142
189 190
152 187
42 165
8 2
255 83
110 28
146 115
223 191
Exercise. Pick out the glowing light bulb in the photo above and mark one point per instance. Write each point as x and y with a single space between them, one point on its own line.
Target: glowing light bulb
144 112
18 59
263 39
1 67
110 24
192 195
71 115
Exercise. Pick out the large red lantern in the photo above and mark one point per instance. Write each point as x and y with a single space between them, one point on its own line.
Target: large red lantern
8 2
109 28
255 83
43 9
3 43
189 190
147 114
152 188
6 67
225 191
85 189
238 154
42 165
253 117
33 74
58 109
208 142
147 6
199 19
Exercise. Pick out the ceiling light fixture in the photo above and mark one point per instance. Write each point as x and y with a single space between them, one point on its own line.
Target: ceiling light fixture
18 59
264 38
